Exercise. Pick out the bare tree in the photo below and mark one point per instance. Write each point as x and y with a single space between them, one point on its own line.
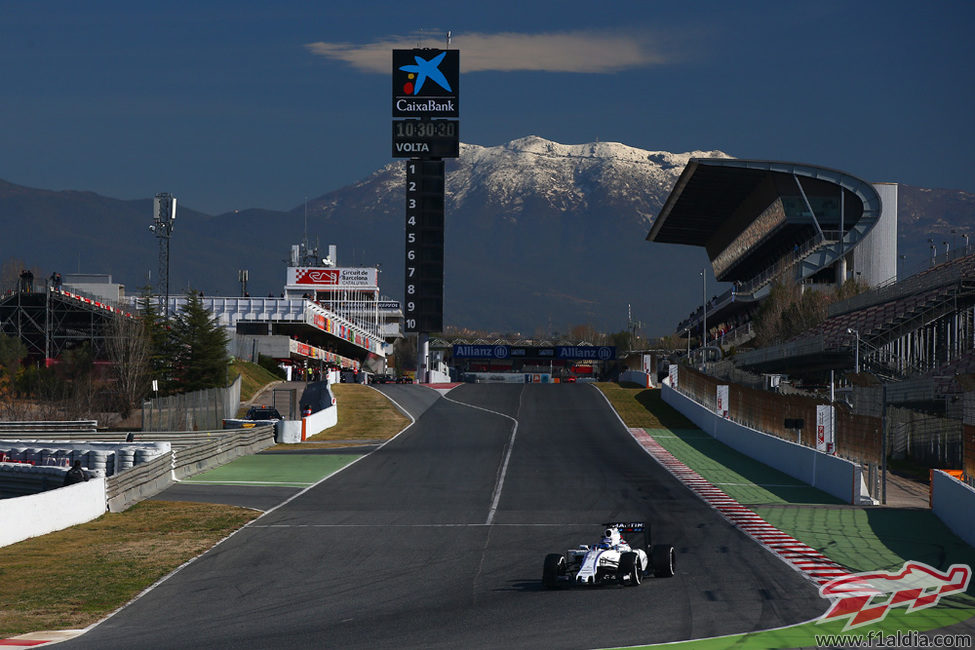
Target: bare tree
129 351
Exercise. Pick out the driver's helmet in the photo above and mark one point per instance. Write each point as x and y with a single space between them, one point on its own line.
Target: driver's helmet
611 538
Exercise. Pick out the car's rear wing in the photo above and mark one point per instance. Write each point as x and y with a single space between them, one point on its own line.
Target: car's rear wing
632 528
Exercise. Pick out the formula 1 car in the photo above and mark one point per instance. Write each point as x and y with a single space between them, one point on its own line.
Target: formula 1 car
612 560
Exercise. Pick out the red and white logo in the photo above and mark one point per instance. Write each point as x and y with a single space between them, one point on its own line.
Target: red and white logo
864 598
328 277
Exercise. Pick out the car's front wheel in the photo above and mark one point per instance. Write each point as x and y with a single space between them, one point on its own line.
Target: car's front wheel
553 570
629 567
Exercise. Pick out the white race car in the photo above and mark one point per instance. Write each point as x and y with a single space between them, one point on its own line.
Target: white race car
611 560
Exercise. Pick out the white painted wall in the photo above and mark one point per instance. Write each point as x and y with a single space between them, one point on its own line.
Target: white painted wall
836 476
954 502
637 377
46 512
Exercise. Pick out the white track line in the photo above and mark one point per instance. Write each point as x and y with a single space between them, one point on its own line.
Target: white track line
250 524
503 469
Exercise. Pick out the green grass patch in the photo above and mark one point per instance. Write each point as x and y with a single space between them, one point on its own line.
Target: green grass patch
71 578
949 612
365 414
861 539
643 407
870 539
291 470
253 378
741 477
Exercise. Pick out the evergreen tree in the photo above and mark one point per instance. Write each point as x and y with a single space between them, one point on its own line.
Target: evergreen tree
158 334
200 356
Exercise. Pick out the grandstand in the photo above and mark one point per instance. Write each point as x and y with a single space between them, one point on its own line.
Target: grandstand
52 321
923 325
762 220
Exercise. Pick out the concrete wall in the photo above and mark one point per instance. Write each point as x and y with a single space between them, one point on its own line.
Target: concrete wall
954 502
318 421
841 478
637 377
46 512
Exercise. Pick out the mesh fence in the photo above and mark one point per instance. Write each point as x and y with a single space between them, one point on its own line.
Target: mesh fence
857 436
944 440
197 411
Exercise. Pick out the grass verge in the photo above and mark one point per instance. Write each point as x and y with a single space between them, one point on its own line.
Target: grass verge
861 539
365 415
643 407
253 378
71 578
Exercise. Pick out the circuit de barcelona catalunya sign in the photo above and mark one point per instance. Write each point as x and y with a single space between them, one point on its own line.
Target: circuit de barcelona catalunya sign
566 352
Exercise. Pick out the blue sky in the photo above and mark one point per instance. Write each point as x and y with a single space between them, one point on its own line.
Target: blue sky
257 104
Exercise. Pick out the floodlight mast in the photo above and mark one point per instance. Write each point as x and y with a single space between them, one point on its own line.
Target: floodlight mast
163 220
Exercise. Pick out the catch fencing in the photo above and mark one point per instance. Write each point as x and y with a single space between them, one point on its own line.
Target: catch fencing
196 411
857 437
942 439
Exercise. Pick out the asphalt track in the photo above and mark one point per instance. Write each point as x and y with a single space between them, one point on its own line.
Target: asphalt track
437 540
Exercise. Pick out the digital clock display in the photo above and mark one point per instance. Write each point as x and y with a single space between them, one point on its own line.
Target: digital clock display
425 138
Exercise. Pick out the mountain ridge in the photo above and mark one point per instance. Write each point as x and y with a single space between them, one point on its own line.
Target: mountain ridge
539 235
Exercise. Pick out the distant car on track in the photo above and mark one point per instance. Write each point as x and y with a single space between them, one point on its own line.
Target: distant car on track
262 413
612 560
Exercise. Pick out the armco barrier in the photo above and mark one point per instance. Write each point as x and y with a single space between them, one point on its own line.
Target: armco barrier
221 449
138 483
44 512
953 502
836 476
39 514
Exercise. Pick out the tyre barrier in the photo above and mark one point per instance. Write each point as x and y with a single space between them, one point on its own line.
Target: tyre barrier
34 466
21 479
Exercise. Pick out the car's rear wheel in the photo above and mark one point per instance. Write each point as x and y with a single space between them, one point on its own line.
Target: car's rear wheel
664 559
553 569
629 567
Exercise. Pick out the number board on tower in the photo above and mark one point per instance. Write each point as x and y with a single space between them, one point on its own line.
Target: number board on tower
423 299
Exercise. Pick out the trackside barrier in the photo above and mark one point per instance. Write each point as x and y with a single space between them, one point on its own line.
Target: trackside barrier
45 512
953 502
312 425
43 426
67 506
839 477
636 377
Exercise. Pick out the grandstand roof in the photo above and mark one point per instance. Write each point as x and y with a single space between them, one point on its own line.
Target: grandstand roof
750 214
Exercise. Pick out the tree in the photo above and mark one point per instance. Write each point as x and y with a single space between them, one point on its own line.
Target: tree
12 352
200 348
158 336
789 311
129 350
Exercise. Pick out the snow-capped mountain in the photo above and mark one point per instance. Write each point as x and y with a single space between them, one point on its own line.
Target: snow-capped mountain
540 235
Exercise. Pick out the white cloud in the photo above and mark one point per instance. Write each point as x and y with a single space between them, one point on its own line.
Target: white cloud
579 51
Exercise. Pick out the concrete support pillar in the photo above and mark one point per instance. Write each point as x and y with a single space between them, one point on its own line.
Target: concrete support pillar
840 269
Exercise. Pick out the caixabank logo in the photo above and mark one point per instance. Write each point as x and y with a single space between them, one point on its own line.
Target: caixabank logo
425 83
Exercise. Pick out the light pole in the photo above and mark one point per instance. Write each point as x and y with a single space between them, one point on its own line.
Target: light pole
163 220
856 362
242 277
704 304
933 250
